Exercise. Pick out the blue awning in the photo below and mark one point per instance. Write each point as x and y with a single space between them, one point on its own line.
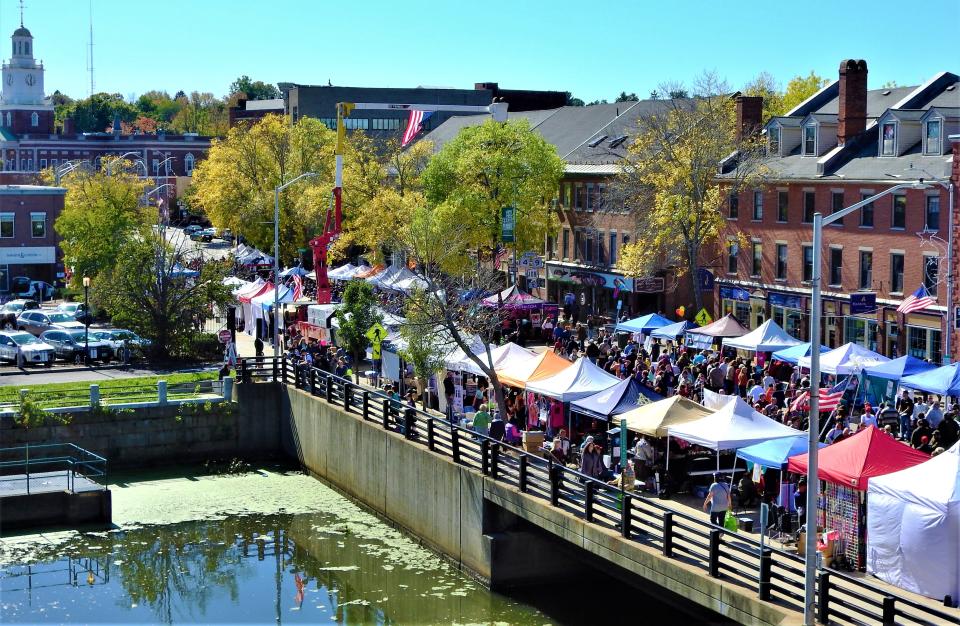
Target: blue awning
775 452
626 395
898 368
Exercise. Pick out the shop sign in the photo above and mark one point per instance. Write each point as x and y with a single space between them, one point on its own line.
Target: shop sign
28 255
706 278
648 285
592 279
508 224
785 301
734 293
863 303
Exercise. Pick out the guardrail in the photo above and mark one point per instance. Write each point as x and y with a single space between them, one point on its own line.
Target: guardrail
52 460
775 575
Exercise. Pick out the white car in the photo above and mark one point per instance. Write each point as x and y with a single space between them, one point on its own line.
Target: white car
22 348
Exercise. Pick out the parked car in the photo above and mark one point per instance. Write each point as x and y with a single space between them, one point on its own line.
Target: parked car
69 345
26 288
118 338
10 311
76 310
24 349
227 235
37 321
201 236
192 228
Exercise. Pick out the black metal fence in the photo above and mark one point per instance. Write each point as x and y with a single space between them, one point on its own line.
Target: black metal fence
775 575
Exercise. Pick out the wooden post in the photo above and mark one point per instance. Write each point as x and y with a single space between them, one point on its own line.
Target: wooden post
889 611
455 443
495 461
346 396
385 415
366 405
485 456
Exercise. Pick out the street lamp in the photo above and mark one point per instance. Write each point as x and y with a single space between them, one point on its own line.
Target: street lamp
86 320
65 168
813 484
276 259
120 158
161 164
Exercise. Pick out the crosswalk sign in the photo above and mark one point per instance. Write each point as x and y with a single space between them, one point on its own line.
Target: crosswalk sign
703 318
376 334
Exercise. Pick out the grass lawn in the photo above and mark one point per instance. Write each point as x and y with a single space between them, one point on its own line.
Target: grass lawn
137 389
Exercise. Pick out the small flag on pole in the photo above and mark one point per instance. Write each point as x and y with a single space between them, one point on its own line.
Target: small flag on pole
916 301
499 255
414 125
297 287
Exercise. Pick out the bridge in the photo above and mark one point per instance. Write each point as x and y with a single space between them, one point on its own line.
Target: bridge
501 513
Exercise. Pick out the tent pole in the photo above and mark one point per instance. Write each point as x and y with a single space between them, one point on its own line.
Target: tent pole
668 453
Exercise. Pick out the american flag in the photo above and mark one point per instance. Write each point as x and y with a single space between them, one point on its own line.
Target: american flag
297 287
499 255
829 398
916 301
414 124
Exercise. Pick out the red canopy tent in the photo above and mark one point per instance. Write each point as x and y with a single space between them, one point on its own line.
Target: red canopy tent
853 461
246 297
726 326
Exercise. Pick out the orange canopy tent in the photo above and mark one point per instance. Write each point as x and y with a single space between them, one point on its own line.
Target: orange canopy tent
541 366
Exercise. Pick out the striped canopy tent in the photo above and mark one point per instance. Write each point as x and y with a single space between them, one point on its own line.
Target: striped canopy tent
543 365
513 298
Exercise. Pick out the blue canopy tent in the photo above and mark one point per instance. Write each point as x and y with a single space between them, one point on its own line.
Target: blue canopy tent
774 454
942 380
672 331
179 271
793 353
293 271
882 378
626 395
644 324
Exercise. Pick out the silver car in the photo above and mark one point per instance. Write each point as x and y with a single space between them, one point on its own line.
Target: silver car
23 349
37 322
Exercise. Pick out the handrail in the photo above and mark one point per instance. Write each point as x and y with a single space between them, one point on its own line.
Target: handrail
637 516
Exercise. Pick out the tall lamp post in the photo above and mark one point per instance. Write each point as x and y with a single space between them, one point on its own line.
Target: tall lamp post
276 259
86 320
810 562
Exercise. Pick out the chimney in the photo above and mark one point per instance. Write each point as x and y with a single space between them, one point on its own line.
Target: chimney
67 125
852 113
749 115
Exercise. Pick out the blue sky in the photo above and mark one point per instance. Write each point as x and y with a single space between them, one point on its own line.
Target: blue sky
592 48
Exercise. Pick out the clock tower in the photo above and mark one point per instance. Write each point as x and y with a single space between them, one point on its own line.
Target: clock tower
23 107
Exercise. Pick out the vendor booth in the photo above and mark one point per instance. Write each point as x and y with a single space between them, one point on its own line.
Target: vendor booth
882 379
942 380
501 356
705 336
846 468
520 305
793 354
625 396
767 337
850 358
775 454
644 324
672 332
245 310
541 366
656 418
913 527
580 380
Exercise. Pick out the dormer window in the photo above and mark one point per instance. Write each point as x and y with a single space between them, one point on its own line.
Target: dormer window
774 140
809 140
888 139
931 137
34 119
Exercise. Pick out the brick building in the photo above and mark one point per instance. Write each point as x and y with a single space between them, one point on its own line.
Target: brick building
842 145
251 111
29 245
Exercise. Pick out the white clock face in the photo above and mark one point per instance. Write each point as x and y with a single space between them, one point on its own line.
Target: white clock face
30 79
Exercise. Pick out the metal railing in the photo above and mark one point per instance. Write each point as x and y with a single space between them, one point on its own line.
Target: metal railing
23 467
114 395
775 575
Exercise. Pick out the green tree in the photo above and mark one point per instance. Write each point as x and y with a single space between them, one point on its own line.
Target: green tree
96 113
572 101
491 166
422 350
626 97
766 87
357 316
159 106
201 113
254 89
802 87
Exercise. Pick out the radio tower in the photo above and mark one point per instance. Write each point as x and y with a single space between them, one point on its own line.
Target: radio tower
90 55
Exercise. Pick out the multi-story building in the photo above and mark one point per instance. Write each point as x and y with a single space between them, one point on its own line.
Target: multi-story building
252 111
844 144
29 245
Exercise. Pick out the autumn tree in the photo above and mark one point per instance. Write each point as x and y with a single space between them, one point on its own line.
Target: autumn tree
766 86
802 87
357 315
669 181
96 113
253 89
490 166
201 113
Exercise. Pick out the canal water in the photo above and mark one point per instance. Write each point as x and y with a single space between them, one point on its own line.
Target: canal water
267 546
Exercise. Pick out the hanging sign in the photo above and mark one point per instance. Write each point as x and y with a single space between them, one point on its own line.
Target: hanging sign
863 303
508 223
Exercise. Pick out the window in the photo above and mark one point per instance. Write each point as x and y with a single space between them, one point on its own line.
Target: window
932 216
601 249
866 211
577 242
566 244
579 192
23 165
807 263
9 119
931 274
733 249
866 269
836 266
809 140
774 145
6 225
601 190
783 206
734 206
34 119
757 205
757 258
924 343
898 217
43 164
896 272
188 162
591 195
613 248
38 225
781 261
568 195
931 136
888 139
836 205
809 206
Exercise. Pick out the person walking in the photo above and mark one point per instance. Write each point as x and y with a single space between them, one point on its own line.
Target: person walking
717 500
591 462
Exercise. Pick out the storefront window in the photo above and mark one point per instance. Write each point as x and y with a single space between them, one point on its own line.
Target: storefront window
924 343
739 309
788 319
862 332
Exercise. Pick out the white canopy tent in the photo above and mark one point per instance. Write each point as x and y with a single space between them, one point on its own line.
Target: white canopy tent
849 358
501 356
735 425
580 380
913 527
767 337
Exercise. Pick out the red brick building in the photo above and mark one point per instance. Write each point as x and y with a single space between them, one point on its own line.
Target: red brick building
29 245
842 145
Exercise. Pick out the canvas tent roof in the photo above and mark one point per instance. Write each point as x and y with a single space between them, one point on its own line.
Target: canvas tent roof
500 355
580 380
656 418
672 331
855 460
250 294
625 396
265 299
767 337
736 425
726 326
544 365
898 368
368 272
776 452
513 298
942 380
849 358
296 270
793 353
908 512
643 324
